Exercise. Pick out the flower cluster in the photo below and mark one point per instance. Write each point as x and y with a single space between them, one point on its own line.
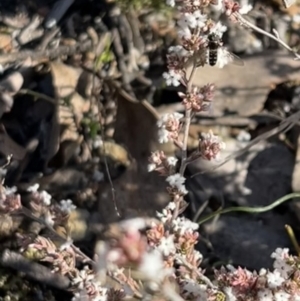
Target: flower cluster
281 284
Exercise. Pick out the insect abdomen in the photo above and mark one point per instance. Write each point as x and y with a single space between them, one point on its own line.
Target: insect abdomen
213 57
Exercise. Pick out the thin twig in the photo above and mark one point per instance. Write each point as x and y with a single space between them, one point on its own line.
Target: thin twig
33 270
283 127
186 128
274 37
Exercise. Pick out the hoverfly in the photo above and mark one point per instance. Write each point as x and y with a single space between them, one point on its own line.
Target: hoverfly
215 49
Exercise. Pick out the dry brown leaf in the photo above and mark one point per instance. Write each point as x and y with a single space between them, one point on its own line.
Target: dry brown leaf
5 42
137 191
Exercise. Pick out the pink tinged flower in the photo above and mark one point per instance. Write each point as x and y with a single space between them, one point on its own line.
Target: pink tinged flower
172 78
282 296
210 146
242 278
264 295
11 203
274 279
231 7
170 121
177 181
199 98
208 92
169 125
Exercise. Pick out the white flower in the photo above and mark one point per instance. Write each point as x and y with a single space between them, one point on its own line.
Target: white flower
185 33
134 224
163 136
192 20
84 275
152 266
274 279
245 9
171 206
48 219
167 246
33 188
280 253
177 181
166 215
229 294
151 167
183 225
282 296
171 3
283 268
197 255
172 78
67 206
193 290
97 142
46 197
218 29
218 6
67 244
172 161
196 3
10 190
263 272
265 295
280 264
179 51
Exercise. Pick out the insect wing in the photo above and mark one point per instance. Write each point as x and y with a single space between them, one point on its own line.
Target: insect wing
235 60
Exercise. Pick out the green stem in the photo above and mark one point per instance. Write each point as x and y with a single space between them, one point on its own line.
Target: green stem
293 239
250 209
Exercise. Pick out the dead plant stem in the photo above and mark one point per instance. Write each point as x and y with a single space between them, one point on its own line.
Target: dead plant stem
263 32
